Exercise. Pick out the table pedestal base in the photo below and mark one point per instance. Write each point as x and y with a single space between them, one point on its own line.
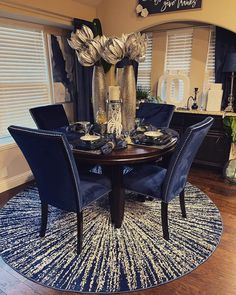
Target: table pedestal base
117 195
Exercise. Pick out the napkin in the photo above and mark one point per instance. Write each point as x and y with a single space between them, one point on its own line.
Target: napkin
120 144
107 148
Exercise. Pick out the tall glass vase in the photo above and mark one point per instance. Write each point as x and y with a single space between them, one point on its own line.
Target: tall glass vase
128 96
99 89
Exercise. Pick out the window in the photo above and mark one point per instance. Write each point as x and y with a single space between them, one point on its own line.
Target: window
178 61
145 68
179 51
210 65
24 79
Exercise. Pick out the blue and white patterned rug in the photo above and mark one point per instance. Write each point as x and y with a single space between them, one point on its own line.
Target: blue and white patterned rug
112 260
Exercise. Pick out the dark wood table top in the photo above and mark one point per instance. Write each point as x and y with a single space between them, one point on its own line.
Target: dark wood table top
130 155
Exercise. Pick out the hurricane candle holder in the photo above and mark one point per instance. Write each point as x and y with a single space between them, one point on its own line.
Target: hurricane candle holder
114 124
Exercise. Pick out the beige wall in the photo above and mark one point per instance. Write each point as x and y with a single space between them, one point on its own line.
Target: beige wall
158 59
52 12
119 16
199 58
13 167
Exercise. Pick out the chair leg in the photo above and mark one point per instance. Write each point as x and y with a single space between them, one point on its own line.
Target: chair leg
182 204
44 219
164 219
140 198
79 231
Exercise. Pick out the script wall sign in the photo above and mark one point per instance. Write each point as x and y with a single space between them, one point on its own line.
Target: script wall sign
146 7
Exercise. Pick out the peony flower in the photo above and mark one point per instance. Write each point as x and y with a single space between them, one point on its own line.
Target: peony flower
144 12
86 46
141 11
74 42
135 46
139 8
88 54
113 49
80 37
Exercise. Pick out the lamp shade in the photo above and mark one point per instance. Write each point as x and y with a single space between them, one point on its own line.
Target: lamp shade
230 63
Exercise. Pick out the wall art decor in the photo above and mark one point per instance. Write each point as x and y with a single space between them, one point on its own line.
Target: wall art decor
146 7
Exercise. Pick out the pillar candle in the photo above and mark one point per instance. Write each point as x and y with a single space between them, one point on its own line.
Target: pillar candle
114 92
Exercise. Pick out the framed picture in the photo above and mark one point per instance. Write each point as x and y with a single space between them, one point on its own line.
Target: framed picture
146 7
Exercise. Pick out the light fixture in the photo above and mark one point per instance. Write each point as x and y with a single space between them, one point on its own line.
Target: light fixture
230 66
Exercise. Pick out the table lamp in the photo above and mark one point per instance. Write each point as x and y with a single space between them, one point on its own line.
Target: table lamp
230 66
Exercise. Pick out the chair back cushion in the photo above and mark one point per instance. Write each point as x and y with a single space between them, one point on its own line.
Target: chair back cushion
52 163
157 114
182 159
49 117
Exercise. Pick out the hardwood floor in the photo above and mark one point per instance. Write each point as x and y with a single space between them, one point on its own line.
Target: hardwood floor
216 276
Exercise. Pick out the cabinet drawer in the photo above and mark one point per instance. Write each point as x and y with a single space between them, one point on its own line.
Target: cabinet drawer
214 150
194 119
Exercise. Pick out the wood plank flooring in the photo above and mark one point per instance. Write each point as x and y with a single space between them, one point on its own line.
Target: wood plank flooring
216 276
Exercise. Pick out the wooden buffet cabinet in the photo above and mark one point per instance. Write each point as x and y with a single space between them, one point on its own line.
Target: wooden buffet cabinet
214 151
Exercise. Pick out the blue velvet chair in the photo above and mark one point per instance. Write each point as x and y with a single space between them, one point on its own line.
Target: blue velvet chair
49 117
53 117
51 160
166 184
157 114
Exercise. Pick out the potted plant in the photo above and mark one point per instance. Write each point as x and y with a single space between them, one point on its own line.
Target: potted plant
144 95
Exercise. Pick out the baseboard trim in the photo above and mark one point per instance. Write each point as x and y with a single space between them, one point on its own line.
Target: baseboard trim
9 183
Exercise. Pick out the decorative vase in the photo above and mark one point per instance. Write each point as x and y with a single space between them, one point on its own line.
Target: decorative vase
128 96
99 90
119 76
229 171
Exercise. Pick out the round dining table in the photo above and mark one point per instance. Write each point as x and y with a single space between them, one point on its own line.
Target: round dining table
113 165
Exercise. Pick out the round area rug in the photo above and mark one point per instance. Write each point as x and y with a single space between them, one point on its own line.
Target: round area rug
131 258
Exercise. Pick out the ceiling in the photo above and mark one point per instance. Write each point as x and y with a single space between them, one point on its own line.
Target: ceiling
89 2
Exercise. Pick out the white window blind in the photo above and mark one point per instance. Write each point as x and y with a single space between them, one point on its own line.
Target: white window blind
178 58
210 66
145 67
24 81
179 51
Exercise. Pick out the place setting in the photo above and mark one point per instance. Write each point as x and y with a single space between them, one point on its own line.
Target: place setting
94 139
149 135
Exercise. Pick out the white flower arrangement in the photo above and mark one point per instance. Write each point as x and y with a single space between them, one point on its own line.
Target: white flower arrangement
90 50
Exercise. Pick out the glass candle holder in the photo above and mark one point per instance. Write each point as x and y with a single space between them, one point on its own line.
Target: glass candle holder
114 123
